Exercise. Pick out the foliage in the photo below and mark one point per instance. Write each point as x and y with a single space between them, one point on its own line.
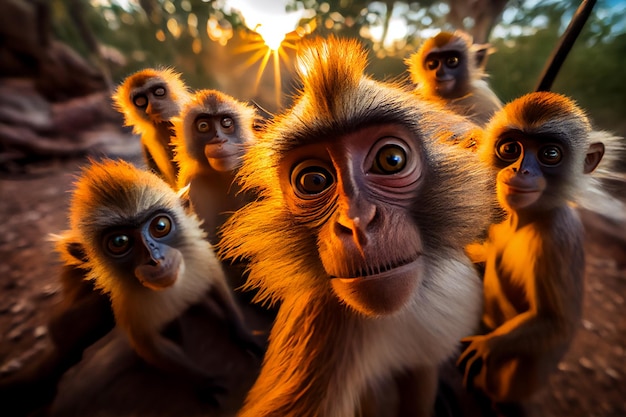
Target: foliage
590 73
190 34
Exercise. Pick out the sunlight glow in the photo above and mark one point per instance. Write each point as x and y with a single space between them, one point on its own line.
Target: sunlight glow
262 54
268 18
273 30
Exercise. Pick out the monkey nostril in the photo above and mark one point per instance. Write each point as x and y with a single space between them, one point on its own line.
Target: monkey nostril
340 229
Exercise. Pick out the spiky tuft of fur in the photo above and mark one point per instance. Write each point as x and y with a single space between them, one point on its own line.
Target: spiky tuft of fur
323 354
356 100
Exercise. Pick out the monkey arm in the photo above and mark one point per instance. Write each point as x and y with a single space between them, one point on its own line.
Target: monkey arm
167 356
228 308
513 359
554 288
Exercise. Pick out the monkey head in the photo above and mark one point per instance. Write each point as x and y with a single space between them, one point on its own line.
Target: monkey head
151 96
358 188
540 145
214 129
444 65
344 197
133 227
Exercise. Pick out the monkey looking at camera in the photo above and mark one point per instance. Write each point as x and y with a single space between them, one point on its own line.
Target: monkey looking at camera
359 233
149 99
449 69
534 261
212 133
151 257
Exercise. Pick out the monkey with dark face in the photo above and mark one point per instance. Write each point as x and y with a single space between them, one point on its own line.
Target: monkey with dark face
149 99
534 261
212 134
359 233
151 257
449 69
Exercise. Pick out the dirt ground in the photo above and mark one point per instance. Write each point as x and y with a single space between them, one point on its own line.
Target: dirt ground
591 380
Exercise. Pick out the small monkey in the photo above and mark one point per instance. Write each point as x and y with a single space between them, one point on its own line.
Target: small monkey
358 232
212 134
449 69
149 254
149 99
534 260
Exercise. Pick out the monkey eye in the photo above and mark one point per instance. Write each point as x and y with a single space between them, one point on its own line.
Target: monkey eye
311 178
452 61
203 125
140 101
508 150
160 226
159 91
227 122
389 159
118 244
550 155
432 64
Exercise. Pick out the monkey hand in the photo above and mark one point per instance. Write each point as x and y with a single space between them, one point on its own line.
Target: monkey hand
475 360
487 367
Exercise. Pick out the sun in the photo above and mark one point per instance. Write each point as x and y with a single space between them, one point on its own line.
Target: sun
273 32
271 49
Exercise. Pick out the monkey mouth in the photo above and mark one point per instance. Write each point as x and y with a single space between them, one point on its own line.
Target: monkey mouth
218 150
382 290
520 190
374 271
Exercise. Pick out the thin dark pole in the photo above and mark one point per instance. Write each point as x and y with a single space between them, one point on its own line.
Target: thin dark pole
565 44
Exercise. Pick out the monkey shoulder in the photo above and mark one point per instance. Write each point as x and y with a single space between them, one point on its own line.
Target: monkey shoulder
478 105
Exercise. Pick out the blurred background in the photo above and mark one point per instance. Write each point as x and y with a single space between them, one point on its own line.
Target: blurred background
60 58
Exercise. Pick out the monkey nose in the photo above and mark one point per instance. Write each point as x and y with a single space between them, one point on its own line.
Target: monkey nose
354 222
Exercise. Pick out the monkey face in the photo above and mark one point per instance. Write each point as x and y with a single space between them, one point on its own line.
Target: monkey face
153 101
147 250
354 193
531 166
216 138
447 71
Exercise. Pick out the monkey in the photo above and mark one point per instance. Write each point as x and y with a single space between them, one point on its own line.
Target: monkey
212 133
358 232
148 253
449 69
541 147
149 99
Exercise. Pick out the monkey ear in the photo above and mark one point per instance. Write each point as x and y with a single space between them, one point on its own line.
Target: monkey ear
593 157
481 53
76 250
